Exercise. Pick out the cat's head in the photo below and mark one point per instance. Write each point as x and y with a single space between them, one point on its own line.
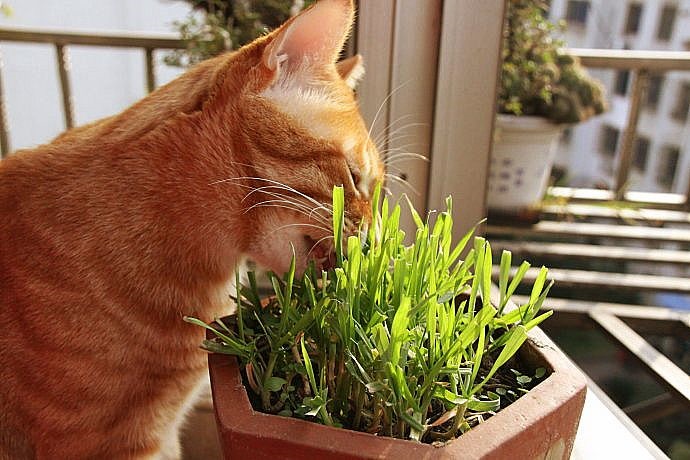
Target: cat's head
301 134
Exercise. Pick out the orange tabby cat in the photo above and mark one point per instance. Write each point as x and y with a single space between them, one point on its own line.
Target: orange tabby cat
117 229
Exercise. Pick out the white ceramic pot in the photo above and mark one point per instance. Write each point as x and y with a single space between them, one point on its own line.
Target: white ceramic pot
521 161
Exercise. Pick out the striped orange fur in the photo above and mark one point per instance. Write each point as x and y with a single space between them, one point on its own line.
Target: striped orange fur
114 231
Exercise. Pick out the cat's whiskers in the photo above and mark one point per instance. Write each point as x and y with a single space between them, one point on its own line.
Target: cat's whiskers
275 188
399 133
282 186
266 190
383 104
402 182
319 227
402 156
285 205
383 134
313 210
317 243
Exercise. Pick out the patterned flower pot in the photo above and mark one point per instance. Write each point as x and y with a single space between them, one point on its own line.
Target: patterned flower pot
541 424
521 161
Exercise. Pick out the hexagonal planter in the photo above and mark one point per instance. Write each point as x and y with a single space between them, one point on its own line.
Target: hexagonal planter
541 424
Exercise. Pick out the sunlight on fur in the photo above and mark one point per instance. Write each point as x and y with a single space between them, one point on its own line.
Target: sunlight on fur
117 229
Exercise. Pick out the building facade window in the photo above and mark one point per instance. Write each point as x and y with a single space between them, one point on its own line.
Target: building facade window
620 86
577 11
668 163
680 110
667 20
632 20
653 96
640 154
608 140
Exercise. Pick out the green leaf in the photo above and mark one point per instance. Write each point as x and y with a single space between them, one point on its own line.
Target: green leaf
399 330
524 379
516 338
274 383
478 405
338 220
504 274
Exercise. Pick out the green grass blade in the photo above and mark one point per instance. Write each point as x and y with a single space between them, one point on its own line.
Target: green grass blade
338 221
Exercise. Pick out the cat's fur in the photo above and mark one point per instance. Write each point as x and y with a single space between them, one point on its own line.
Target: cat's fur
115 230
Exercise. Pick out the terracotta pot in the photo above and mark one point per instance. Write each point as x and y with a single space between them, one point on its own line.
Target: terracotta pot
541 424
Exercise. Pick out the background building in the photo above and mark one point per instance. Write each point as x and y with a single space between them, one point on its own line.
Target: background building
661 155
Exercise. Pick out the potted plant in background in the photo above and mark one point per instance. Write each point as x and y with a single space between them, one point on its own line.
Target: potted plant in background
543 90
216 26
405 343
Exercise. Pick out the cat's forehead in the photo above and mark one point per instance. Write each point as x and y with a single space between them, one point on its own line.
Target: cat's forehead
324 114
332 116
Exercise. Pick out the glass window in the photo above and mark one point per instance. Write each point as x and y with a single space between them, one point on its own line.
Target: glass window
608 140
666 170
632 21
656 83
666 22
576 13
680 110
621 84
640 154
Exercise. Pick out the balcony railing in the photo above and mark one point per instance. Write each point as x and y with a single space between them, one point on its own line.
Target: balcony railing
641 64
148 43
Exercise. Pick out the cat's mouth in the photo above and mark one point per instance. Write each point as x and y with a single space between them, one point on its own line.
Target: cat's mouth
321 252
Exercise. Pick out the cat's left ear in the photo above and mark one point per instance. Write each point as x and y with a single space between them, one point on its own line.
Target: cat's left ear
312 39
351 70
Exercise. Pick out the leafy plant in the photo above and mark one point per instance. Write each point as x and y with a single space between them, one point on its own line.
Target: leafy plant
215 26
399 340
537 76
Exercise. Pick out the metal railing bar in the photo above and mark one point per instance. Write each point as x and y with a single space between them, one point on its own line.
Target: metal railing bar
119 39
666 372
659 61
642 63
653 409
639 88
627 213
150 70
657 200
63 70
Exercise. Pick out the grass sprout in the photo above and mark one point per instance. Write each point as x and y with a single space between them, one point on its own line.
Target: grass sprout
397 340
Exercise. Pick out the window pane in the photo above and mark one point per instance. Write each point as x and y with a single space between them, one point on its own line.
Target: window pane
680 111
640 154
666 171
653 96
666 22
621 84
632 22
577 12
608 140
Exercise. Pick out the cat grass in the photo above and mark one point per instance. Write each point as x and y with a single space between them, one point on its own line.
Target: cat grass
398 340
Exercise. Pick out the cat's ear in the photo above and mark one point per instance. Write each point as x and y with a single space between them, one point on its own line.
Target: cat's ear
351 70
313 38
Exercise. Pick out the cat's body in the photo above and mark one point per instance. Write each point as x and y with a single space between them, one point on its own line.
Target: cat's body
115 230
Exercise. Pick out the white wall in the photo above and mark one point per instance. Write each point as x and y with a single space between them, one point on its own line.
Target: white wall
104 80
